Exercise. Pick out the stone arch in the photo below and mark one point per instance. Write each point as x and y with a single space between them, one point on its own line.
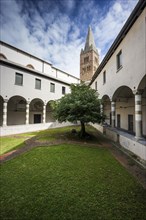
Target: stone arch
124 108
2 56
30 66
107 109
142 84
36 111
49 112
122 92
16 110
1 110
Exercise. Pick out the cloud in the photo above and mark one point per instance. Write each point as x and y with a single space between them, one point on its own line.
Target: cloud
110 24
56 30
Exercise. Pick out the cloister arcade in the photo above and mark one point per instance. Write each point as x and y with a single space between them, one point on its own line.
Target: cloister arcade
17 111
126 109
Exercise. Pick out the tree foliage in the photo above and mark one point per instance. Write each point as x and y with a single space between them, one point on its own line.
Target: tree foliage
82 104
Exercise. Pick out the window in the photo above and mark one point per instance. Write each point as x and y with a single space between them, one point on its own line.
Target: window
104 77
52 87
96 60
18 79
86 59
63 90
119 60
88 68
96 85
37 84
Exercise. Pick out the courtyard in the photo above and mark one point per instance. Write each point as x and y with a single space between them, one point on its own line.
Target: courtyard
54 174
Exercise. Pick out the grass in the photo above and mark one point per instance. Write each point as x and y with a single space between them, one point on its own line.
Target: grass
69 182
9 143
13 142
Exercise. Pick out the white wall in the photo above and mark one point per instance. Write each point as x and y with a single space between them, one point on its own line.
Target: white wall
134 57
27 90
20 57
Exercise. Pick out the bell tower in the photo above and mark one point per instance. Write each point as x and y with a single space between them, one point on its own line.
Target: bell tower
89 58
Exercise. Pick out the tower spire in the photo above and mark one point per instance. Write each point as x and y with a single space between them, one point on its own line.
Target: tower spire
89 58
90 43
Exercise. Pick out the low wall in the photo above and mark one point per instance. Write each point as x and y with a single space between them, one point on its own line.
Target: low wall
133 146
18 129
98 127
126 140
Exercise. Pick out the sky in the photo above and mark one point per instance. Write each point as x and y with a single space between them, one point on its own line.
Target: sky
56 30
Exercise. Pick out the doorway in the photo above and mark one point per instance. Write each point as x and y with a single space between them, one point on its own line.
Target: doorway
118 120
37 118
130 122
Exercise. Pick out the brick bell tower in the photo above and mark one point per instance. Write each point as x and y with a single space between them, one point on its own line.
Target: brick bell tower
89 58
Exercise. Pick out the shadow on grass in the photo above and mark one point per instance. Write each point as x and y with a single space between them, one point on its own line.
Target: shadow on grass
64 134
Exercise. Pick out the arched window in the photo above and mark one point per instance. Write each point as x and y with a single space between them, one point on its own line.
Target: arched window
2 56
30 66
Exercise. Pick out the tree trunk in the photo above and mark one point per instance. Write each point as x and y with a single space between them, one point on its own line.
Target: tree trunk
82 132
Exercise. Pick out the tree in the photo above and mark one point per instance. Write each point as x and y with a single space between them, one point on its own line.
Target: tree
82 104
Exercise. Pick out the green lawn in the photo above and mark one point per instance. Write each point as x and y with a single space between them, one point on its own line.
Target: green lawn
9 143
13 142
69 182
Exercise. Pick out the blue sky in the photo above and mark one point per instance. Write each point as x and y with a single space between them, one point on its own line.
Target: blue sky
55 30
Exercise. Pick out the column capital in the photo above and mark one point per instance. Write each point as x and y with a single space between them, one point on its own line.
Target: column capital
6 100
137 91
27 102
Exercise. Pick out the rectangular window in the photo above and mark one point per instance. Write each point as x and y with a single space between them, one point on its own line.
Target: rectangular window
52 87
63 90
96 85
119 60
37 84
104 77
18 79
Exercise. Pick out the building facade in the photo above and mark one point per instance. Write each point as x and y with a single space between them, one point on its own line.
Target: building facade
28 85
120 81
89 58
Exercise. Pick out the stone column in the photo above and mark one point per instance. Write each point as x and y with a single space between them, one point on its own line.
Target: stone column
27 113
113 113
44 113
101 109
138 115
5 112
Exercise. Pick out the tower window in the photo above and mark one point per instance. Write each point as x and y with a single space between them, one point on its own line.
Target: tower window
96 60
119 60
88 68
104 77
18 79
86 59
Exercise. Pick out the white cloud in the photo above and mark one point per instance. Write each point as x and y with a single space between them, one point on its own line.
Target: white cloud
109 25
54 36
